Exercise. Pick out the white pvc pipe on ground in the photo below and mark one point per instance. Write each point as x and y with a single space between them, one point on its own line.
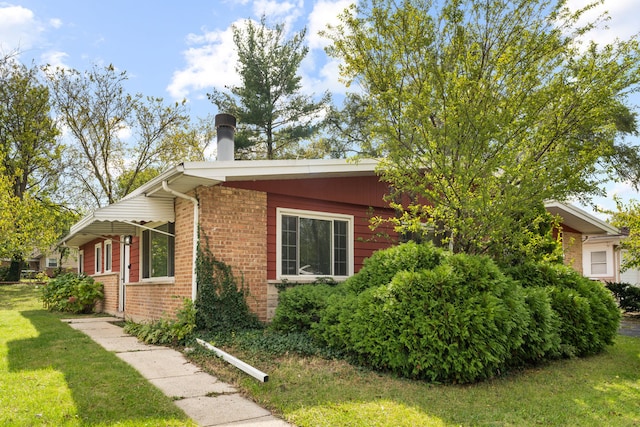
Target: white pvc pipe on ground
245 367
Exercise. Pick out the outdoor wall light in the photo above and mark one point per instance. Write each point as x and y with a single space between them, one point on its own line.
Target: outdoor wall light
128 239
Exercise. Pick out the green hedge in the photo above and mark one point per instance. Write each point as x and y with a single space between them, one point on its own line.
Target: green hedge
627 295
588 315
423 313
458 322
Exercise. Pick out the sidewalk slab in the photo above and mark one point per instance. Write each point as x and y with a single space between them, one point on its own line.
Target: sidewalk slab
193 385
160 363
205 399
222 410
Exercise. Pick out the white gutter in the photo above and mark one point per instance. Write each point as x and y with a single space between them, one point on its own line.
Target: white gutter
194 283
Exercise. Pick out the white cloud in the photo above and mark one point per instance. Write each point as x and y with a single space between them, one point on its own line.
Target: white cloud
325 12
55 23
279 11
211 63
19 29
622 22
55 59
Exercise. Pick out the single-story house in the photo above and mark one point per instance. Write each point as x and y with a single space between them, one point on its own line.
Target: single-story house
270 220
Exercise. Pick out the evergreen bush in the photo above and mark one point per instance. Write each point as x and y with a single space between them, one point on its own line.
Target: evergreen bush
458 322
380 268
627 295
300 307
588 315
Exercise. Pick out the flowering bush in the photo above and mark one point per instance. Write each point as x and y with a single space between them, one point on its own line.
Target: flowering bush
72 293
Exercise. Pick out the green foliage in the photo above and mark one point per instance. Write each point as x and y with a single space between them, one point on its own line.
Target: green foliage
380 268
94 107
627 217
167 330
72 293
627 295
588 314
484 109
300 307
30 166
457 322
273 115
221 303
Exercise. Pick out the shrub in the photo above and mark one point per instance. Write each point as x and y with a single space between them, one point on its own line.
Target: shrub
588 315
72 293
167 331
300 307
458 322
627 295
380 268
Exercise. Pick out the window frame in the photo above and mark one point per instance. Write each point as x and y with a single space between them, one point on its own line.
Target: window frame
599 263
81 261
55 262
97 262
146 262
108 255
327 216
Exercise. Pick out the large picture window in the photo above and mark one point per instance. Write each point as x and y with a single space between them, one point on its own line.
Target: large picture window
314 244
158 247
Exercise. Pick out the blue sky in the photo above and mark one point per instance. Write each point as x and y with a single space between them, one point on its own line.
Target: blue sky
177 50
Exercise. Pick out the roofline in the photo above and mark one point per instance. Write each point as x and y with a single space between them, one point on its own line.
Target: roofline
583 215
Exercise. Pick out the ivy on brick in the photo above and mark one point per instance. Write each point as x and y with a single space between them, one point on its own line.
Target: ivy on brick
221 302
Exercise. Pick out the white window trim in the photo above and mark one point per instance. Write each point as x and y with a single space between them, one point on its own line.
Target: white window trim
153 280
586 265
55 260
109 244
97 262
81 261
314 215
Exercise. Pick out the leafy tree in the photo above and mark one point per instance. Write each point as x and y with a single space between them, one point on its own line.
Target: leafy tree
627 218
30 166
100 116
483 107
273 116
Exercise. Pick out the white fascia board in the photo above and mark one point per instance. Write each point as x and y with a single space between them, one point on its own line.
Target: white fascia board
578 213
278 169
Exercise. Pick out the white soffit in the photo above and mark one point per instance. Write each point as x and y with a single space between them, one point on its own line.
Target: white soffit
580 220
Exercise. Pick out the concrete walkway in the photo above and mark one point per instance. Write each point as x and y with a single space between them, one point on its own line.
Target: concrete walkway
201 396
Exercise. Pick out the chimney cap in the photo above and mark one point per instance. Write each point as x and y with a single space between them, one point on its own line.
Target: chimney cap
225 120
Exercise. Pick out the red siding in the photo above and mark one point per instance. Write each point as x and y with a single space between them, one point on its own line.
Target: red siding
357 190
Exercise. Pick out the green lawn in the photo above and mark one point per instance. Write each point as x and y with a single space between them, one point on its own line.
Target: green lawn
597 391
53 375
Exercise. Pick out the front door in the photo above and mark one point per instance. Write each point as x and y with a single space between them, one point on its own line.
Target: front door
125 251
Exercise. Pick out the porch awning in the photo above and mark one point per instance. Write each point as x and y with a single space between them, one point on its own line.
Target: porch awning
120 218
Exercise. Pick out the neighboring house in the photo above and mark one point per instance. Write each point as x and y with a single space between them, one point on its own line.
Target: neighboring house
49 262
591 246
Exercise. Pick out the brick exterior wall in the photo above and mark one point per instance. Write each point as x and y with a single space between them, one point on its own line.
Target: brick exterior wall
151 300
234 220
110 282
572 247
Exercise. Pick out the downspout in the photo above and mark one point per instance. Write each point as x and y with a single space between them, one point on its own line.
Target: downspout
194 283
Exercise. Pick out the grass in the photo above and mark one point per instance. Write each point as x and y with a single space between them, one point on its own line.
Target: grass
53 375
594 391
